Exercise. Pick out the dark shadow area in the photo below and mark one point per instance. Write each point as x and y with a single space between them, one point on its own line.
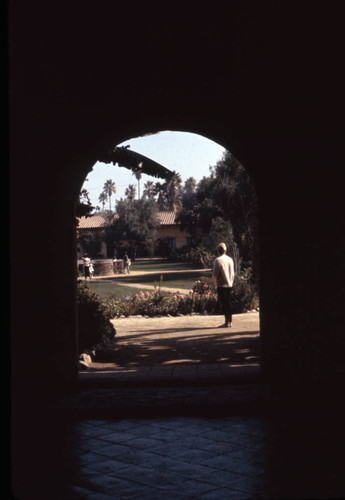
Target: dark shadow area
165 331
263 80
225 456
230 348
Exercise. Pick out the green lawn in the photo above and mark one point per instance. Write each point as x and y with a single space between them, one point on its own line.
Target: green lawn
113 290
159 264
186 279
156 271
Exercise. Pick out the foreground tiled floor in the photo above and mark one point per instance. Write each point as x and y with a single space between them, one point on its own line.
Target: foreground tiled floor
183 457
184 414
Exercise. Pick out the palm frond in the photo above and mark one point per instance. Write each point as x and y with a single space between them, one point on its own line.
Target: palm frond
136 162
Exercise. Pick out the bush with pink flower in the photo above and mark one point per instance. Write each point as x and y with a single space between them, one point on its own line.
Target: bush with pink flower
201 299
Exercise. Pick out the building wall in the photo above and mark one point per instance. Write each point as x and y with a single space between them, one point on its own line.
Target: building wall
173 232
163 231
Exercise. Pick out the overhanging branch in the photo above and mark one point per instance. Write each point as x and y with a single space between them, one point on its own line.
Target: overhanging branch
136 162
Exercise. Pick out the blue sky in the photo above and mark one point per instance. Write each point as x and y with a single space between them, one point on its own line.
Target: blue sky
188 154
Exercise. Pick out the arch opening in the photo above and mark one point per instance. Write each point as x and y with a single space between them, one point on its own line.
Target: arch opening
210 201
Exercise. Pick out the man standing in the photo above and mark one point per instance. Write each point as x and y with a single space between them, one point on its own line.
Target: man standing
126 262
223 275
87 262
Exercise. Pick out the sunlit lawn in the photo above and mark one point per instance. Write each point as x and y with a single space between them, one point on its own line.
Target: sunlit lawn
154 265
156 274
113 289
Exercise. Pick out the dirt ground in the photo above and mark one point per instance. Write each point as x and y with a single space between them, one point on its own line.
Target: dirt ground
142 343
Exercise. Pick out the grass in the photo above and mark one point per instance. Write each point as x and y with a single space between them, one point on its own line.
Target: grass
159 264
170 280
161 272
113 290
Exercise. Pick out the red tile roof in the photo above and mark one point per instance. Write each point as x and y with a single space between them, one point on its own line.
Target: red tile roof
98 221
167 218
93 222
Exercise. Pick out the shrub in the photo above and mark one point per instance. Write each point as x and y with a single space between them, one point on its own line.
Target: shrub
200 257
201 299
149 304
244 296
204 285
94 323
163 304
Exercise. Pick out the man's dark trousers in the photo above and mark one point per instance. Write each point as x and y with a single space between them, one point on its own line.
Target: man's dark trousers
224 295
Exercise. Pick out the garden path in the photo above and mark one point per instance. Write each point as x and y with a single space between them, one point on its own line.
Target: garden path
156 271
152 287
121 276
181 348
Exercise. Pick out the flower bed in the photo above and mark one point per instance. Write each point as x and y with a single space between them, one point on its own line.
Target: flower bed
201 299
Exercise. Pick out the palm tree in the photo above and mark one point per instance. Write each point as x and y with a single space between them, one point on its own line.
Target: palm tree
130 192
109 188
169 193
103 198
137 175
150 190
160 189
174 186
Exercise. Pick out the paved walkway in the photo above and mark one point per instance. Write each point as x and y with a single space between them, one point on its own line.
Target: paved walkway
198 457
154 273
168 419
184 348
146 286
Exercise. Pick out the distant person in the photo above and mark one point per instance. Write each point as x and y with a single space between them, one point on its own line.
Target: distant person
86 262
223 275
91 270
126 263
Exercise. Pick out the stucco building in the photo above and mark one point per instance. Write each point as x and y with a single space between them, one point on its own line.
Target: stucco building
169 230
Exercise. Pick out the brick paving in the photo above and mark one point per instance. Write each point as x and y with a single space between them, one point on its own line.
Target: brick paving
196 436
182 457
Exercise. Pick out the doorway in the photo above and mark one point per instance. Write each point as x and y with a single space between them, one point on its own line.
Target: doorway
152 341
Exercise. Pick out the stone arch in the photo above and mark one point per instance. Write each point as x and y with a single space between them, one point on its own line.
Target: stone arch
71 99
259 80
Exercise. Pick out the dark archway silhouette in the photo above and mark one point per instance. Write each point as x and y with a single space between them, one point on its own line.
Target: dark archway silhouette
261 81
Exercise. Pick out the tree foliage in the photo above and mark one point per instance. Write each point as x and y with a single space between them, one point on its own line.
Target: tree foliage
109 189
91 243
84 206
94 325
223 207
189 193
135 225
131 192
236 198
137 175
169 193
149 190
102 199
